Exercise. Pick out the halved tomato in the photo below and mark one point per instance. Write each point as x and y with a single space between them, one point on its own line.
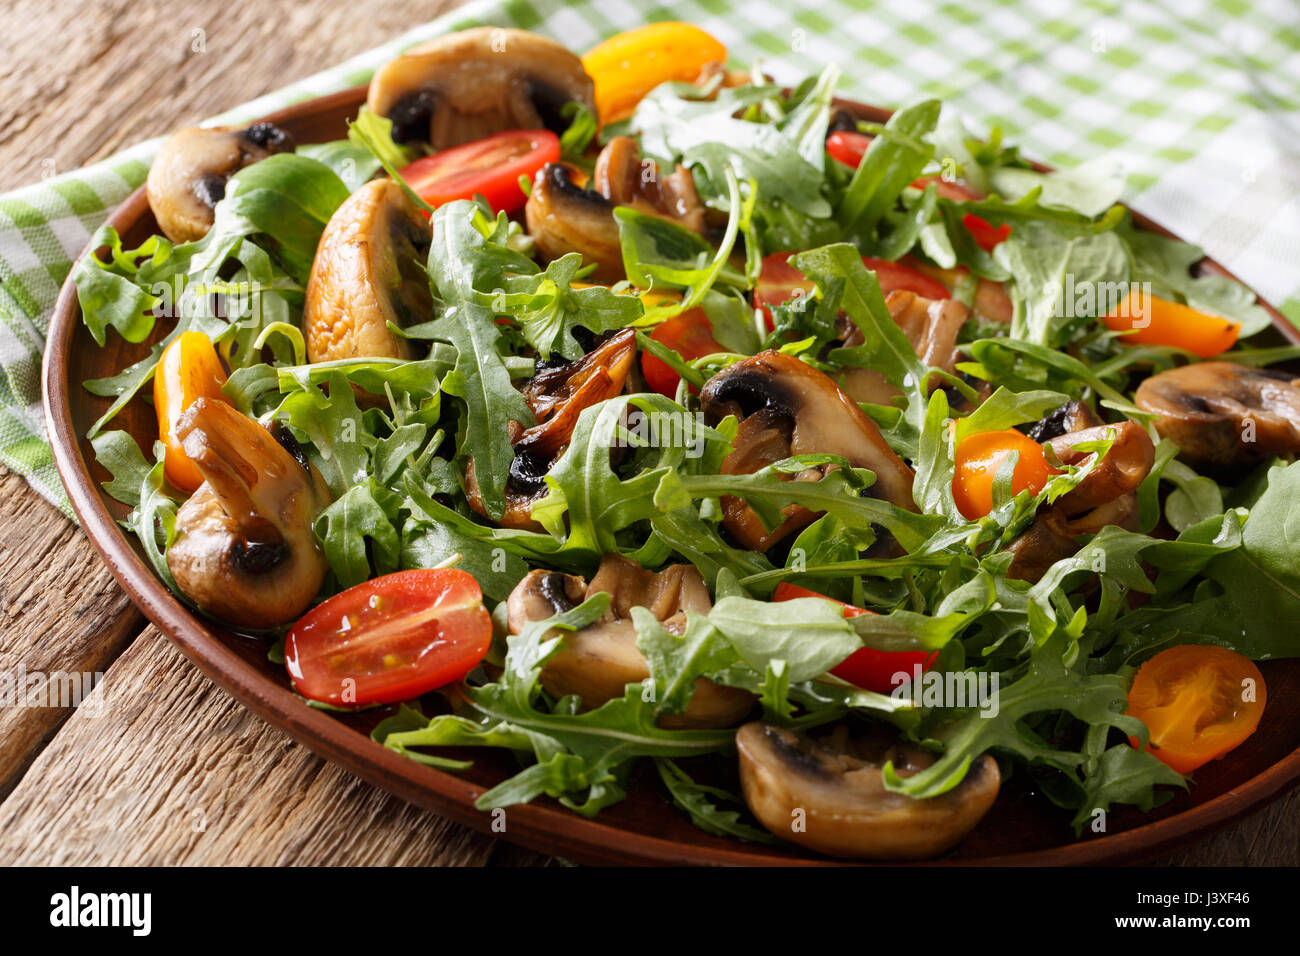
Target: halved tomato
848 147
866 667
390 639
1198 701
691 335
779 282
488 167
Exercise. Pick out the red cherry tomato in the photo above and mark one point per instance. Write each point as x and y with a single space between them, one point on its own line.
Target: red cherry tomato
985 234
848 148
393 638
866 667
488 167
779 282
690 335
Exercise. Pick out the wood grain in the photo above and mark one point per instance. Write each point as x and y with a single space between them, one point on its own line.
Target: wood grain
174 771
60 610
128 70
181 775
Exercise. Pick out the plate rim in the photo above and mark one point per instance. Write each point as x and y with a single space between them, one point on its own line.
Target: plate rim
540 826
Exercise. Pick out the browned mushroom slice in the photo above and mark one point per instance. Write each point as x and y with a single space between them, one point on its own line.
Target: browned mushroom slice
468 85
188 176
564 217
1106 496
244 549
931 326
600 660
796 410
368 272
557 396
1125 465
1223 414
1070 417
829 794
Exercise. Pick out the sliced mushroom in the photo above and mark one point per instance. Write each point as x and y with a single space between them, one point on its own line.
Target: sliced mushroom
1070 417
188 176
1125 465
1223 414
931 326
599 661
368 272
468 85
786 407
564 217
834 788
1106 496
557 395
245 550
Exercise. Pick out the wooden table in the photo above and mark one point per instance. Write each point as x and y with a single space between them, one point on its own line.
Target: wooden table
171 770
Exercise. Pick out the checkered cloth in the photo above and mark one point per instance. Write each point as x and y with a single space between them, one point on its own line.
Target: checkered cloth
1198 101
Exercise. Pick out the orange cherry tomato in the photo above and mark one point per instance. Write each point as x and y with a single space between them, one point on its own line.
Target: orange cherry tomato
189 369
392 638
866 667
1198 701
779 282
691 335
1155 321
629 65
977 461
488 167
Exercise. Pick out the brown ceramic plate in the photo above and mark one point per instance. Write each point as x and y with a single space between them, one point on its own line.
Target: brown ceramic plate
645 829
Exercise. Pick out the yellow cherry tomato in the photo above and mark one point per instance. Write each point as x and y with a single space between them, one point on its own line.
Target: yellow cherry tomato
188 370
978 458
629 65
1151 320
1198 701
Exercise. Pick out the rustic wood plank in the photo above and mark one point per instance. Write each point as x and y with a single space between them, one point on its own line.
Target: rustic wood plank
185 775
126 70
60 610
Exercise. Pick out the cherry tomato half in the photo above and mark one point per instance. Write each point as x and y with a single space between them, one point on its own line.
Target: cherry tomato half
779 282
1198 701
629 65
488 167
978 458
393 638
1151 320
866 667
848 147
691 335
188 369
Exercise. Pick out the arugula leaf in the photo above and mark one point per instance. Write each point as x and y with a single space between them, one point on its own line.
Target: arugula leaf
482 382
344 528
695 799
896 156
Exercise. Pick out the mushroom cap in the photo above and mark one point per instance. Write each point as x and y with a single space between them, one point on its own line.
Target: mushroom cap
847 812
600 660
188 176
245 551
1126 464
931 325
824 419
557 395
367 273
1223 414
467 85
564 217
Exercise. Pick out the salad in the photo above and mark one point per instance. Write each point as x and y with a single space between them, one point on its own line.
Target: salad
671 427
